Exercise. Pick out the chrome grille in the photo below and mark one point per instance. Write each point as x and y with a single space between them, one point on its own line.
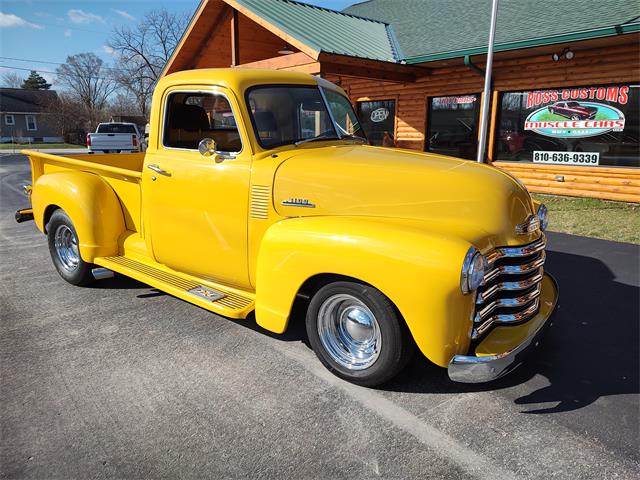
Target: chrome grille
511 290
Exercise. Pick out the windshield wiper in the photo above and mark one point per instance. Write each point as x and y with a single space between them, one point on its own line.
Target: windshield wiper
350 136
319 137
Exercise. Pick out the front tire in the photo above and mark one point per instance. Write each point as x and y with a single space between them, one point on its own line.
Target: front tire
63 246
357 333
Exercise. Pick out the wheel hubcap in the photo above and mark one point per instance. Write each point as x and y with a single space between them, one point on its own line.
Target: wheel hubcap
349 332
66 246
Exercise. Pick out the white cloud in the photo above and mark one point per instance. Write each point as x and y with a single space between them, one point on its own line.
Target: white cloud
108 50
8 20
124 14
67 34
80 16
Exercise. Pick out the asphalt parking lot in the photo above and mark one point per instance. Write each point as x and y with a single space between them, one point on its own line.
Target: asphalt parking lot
122 381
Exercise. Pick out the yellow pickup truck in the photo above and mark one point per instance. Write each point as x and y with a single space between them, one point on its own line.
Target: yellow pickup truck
259 193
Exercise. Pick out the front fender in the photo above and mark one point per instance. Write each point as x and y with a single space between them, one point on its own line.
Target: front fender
417 270
91 204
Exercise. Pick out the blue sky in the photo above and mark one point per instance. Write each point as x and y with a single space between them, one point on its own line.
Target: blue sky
37 34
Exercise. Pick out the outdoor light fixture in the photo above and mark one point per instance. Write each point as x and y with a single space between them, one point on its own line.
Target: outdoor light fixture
285 50
566 53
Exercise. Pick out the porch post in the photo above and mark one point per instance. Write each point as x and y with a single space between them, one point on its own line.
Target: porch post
235 50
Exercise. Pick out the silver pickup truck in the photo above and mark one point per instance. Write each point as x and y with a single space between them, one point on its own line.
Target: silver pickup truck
114 137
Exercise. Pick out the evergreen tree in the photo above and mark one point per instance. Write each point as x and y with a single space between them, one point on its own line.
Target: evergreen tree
35 81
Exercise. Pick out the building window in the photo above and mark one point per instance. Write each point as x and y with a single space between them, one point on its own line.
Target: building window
595 125
31 122
452 126
378 119
193 116
9 120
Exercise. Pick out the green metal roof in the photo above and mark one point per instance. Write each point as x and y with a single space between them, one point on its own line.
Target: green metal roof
429 30
326 30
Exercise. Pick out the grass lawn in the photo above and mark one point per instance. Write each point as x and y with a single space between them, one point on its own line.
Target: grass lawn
40 146
591 217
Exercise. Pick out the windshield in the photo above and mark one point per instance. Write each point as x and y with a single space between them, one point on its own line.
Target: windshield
293 114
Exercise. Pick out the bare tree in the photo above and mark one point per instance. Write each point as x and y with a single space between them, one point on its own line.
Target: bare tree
139 86
11 79
144 50
86 77
123 103
69 116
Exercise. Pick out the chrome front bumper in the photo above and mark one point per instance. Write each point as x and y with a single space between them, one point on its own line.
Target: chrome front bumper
479 369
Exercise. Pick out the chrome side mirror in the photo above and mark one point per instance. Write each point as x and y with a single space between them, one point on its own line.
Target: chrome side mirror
207 148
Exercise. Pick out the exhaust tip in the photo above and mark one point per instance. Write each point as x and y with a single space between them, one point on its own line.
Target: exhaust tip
101 273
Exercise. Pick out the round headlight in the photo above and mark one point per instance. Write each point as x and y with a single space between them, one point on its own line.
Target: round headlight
543 216
473 269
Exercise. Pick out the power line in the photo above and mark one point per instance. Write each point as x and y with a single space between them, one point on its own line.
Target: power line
51 63
27 69
30 60
45 71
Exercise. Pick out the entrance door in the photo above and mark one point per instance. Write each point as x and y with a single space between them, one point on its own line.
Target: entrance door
196 208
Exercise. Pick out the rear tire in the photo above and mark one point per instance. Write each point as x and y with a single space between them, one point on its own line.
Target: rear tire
357 333
63 246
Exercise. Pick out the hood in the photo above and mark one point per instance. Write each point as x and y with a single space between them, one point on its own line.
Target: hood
450 196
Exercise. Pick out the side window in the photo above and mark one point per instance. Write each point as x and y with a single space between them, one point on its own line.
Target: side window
9 120
343 112
193 116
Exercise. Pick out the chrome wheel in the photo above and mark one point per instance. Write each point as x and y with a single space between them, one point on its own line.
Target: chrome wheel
66 247
349 332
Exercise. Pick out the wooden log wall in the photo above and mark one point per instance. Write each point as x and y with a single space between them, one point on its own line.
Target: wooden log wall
593 66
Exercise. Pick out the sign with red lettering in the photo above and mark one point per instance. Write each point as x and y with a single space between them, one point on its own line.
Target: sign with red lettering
572 113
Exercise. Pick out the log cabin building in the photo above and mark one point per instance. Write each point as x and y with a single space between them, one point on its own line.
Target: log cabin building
565 100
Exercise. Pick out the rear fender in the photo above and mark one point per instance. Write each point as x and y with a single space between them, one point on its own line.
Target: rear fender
91 204
418 271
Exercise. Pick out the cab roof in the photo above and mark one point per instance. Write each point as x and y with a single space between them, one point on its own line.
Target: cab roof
236 79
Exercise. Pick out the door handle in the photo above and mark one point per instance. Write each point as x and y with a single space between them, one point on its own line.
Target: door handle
157 169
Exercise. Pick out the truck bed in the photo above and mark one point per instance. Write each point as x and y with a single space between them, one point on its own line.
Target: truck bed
131 162
121 171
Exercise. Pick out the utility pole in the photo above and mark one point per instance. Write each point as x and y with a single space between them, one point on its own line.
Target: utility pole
484 117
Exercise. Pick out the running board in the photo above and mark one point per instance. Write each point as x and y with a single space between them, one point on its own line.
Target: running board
221 299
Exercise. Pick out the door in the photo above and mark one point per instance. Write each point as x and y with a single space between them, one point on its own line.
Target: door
195 206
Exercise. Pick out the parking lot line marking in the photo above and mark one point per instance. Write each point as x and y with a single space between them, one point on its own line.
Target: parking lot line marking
445 445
